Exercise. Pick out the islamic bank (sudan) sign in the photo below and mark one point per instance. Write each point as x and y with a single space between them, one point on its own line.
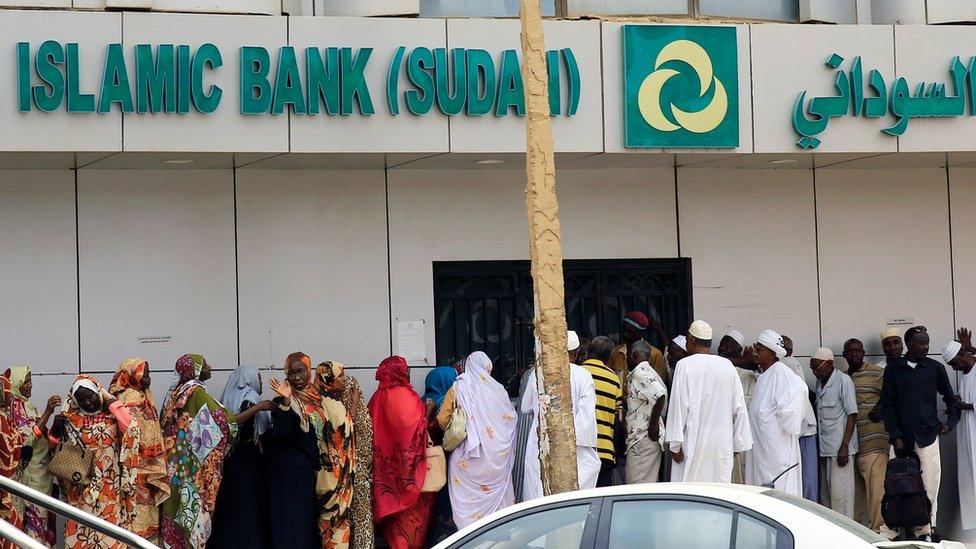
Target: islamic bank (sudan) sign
681 86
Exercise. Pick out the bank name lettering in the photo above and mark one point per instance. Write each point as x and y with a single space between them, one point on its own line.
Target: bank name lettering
178 79
872 98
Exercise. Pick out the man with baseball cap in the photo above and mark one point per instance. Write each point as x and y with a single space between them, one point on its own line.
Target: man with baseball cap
707 416
633 329
911 415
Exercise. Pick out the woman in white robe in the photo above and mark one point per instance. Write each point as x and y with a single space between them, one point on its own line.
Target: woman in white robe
584 420
480 471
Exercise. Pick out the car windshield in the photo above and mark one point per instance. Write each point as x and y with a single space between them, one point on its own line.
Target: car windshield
829 515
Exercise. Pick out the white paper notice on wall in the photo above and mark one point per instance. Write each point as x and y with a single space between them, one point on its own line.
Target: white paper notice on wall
410 341
900 321
145 340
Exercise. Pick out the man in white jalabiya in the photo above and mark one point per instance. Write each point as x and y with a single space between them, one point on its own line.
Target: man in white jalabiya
707 416
776 416
960 357
584 419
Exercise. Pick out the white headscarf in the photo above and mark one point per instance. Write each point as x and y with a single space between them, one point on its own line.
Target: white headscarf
481 467
91 386
244 385
772 341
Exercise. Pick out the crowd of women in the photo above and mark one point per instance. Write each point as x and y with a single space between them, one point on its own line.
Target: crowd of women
313 467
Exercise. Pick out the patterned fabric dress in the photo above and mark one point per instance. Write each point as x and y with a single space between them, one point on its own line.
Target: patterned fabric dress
152 481
362 493
38 522
338 459
197 433
110 495
11 441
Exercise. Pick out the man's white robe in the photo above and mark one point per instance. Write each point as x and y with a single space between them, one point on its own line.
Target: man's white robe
707 419
966 451
776 415
584 420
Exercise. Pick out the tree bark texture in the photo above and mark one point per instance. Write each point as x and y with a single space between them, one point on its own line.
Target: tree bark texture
557 433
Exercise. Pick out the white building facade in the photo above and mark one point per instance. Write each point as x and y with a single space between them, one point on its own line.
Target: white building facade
243 186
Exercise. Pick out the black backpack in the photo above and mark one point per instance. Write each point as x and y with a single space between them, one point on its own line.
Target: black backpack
905 503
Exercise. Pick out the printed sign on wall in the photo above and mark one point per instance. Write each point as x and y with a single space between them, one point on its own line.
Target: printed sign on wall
681 86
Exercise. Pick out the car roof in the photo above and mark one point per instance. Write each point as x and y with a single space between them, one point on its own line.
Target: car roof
700 489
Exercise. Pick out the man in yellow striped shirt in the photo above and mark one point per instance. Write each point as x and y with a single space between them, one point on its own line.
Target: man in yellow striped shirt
609 399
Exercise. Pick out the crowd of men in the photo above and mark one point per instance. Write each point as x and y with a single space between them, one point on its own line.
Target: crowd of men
747 415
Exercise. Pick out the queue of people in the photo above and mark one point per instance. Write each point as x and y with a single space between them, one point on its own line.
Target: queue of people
316 467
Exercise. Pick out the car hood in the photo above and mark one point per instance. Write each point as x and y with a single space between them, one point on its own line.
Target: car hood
920 545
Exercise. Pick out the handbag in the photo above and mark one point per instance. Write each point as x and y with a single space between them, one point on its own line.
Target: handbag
72 463
457 430
436 469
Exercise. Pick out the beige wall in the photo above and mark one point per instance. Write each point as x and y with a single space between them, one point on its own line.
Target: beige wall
248 265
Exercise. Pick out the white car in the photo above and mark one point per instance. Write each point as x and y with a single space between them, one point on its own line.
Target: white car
672 516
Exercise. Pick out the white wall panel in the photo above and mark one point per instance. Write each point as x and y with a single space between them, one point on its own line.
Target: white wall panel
581 132
38 278
49 131
790 59
313 266
381 132
156 259
480 215
963 192
225 130
366 8
884 253
950 11
931 64
750 237
613 85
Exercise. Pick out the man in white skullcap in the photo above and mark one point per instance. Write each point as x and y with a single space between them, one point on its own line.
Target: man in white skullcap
776 416
732 346
675 351
960 357
707 415
584 421
837 418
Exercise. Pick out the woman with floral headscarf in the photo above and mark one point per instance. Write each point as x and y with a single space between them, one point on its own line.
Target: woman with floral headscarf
12 441
361 513
480 469
104 426
39 523
131 386
338 459
197 433
293 456
399 457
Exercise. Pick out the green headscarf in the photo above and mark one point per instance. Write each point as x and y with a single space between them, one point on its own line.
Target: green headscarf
18 375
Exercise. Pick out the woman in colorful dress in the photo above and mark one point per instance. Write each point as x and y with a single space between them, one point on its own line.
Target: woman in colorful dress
240 519
293 457
197 433
361 514
399 457
12 441
131 386
480 468
105 427
438 382
38 522
338 457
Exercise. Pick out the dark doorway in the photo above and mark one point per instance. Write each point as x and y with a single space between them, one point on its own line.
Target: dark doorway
488 306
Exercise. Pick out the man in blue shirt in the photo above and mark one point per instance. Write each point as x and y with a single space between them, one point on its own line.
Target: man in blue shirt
911 414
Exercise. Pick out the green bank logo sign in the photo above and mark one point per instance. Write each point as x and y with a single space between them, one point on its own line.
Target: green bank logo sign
175 79
681 86
871 97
